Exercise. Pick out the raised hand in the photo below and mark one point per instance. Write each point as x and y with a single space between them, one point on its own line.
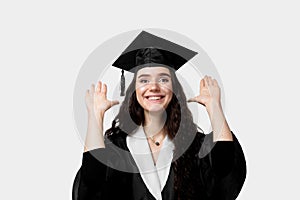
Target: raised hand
97 104
96 100
210 97
209 93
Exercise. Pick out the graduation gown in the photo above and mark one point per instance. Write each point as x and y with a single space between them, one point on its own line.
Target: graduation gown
220 172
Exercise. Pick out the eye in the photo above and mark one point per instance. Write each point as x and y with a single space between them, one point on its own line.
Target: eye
144 81
164 80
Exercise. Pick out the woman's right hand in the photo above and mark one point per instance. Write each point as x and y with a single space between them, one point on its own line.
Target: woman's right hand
96 101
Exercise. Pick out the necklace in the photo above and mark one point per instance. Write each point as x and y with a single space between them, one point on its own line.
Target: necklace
155 142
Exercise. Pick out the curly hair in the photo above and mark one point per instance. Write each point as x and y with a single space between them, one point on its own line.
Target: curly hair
179 123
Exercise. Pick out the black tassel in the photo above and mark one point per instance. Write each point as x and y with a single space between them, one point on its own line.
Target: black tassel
122 84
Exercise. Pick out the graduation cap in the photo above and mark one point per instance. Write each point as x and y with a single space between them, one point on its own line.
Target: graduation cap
148 50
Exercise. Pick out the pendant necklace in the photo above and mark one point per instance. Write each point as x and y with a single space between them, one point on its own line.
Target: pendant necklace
155 142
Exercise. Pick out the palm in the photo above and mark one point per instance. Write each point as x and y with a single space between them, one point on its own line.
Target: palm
209 92
96 99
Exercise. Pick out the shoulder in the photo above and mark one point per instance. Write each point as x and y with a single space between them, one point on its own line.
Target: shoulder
118 138
196 142
202 144
199 138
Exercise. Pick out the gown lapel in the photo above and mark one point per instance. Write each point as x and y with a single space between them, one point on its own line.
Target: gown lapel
154 177
164 161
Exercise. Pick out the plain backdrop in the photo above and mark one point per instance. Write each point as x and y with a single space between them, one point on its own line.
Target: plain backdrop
253 44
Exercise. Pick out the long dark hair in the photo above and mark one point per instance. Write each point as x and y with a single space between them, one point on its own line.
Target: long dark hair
179 123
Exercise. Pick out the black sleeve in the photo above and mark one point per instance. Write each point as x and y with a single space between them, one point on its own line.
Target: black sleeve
91 177
230 185
97 167
93 168
102 170
222 157
222 168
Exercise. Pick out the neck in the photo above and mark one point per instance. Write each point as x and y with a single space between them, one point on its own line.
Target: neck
154 123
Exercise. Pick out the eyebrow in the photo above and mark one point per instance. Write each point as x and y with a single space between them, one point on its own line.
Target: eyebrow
160 74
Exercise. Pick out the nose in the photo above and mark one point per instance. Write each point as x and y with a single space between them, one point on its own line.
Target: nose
154 86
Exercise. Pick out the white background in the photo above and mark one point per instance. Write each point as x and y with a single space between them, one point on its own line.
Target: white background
254 45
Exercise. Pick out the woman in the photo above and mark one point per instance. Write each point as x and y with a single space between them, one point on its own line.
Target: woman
154 120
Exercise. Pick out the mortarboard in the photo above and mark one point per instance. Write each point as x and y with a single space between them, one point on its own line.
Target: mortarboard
150 50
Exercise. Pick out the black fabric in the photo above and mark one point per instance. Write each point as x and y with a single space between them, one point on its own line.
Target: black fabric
220 174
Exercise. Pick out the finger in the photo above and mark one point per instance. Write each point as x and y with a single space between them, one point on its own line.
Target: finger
202 84
98 89
197 99
104 89
205 81
215 82
112 103
92 88
194 99
100 86
209 80
201 100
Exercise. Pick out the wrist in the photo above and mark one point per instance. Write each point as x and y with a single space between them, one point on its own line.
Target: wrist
98 116
214 107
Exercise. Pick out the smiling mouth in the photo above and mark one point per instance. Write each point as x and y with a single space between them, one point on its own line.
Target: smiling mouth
155 98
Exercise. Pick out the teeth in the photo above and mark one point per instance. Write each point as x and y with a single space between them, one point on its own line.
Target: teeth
154 98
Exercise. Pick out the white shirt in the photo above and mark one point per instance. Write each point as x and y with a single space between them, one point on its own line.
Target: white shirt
154 176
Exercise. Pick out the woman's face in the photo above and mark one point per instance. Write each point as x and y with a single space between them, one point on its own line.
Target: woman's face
154 88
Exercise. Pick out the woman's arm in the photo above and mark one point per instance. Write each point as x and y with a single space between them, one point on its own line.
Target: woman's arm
227 160
97 104
210 97
221 130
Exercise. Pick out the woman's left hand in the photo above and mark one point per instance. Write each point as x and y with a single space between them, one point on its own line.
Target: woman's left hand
210 97
210 94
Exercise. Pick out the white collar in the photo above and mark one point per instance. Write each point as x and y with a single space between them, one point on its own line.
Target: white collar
154 177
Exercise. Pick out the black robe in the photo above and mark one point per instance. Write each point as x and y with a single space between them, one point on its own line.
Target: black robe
220 173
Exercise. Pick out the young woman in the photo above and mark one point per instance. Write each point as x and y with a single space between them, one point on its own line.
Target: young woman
153 149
